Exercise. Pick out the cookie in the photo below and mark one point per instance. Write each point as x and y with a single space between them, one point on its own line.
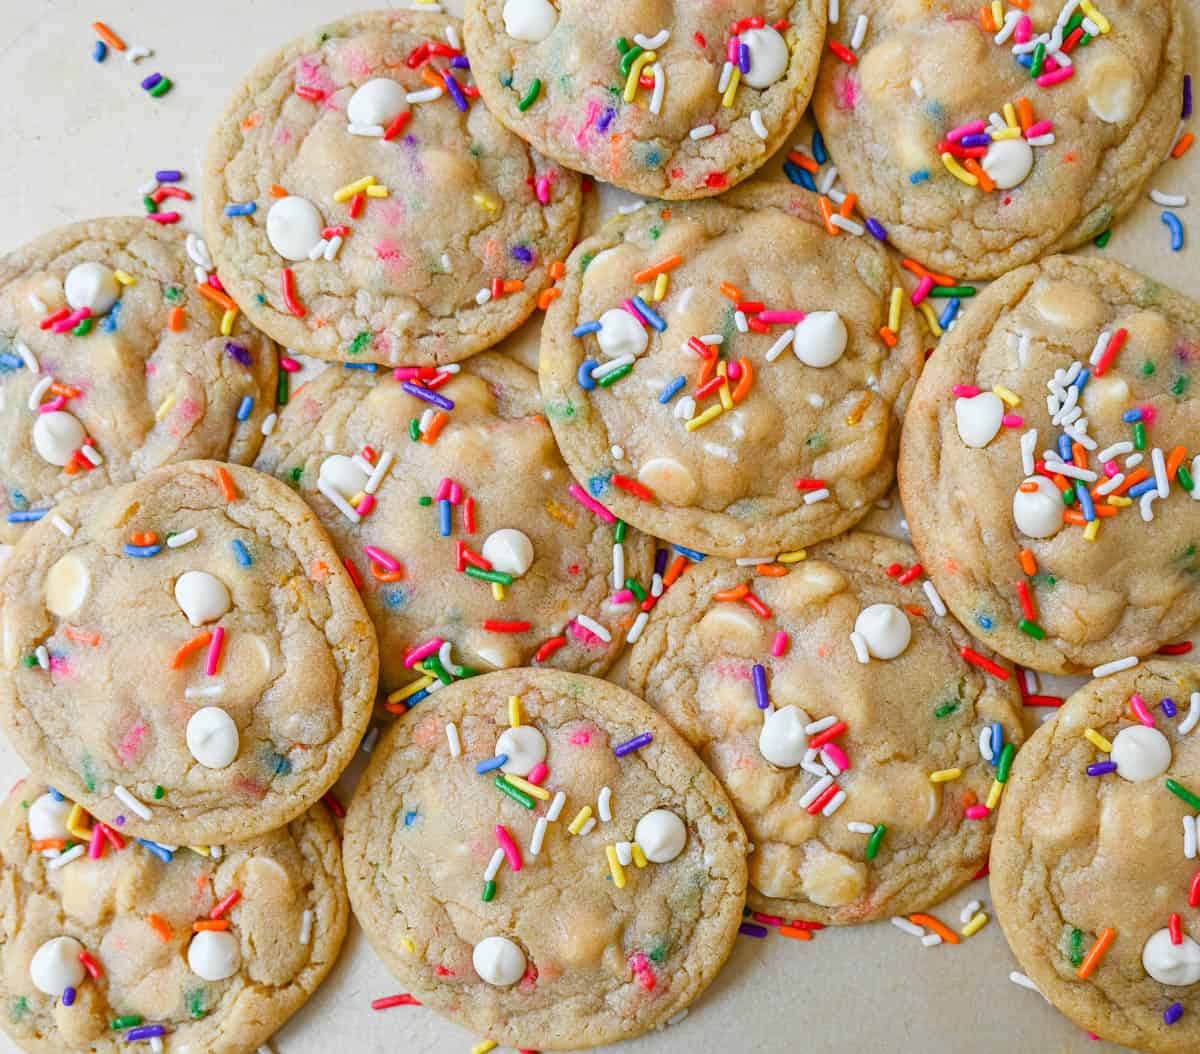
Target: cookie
362 205
471 551
861 747
104 942
539 857
114 362
667 99
190 662
1093 868
979 147
715 372
1069 381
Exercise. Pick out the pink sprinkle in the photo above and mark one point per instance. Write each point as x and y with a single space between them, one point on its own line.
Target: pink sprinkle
1050 65
965 391
96 843
1012 420
538 774
977 812
72 320
622 596
1048 80
628 306
583 635
1040 128
57 403
731 51
422 651
1023 31
590 503
443 491
1138 707
837 754
971 128
213 661
581 739
1111 468
365 505
787 317
215 282
593 111
542 189
923 287
132 738
509 846
164 218
734 370
456 494
767 920
288 364
780 644
381 558
1148 414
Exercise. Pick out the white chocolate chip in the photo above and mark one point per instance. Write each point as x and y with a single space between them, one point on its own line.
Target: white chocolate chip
525 747
56 966
669 479
509 551
1141 753
820 340
212 737
343 474
529 20
1039 513
621 334
1008 162
783 740
768 56
202 597
885 628
979 418
498 961
214 955
56 436
91 285
1112 88
1176 965
661 834
293 227
376 102
67 585
48 818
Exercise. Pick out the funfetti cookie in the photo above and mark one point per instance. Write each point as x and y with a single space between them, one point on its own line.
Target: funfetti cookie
1093 869
448 500
863 740
114 362
539 857
981 146
108 946
185 656
1048 466
673 100
728 376
362 204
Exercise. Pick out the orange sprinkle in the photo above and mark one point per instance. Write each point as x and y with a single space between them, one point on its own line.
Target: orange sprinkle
547 297
706 370
1028 488
1060 481
947 934
826 207
986 20
747 379
847 205
81 636
1028 562
1095 953
914 610
736 593
210 924
47 843
438 422
653 271
1174 460
678 565
1132 480
887 336
108 36
225 482
431 78
1024 113
557 270
144 538
67 391
276 191
216 296
195 644
513 285
804 161
1078 455
969 799
319 571
1075 517
159 925
382 574
1022 4
916 268
732 291
856 415
974 167
794 933
253 121
1184 145
770 570
175 319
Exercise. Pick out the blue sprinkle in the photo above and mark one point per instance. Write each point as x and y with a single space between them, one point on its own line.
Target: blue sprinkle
68 996
412 700
162 852
997 741
585 328
410 817
597 485
241 552
237 352
798 176
691 554
876 229
984 621
243 208
649 314
919 176
1064 447
9 361
1081 380
460 62
370 367
99 51
55 794
519 252
1085 502
244 407
1138 489
1176 229
818 148
142 551
672 389
606 119
947 316
492 763
444 513
1129 416
108 323
980 139
1168 707
1025 60
584 374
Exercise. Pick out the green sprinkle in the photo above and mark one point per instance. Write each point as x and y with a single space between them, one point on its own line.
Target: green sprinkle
946 291
628 59
655 233
159 792
30 661
1101 239
946 709
1076 947
1085 39
585 260
1147 368
1031 629
1068 496
161 88
1185 479
490 576
359 342
875 839
172 293
530 97
635 588
1139 436
1039 58
414 429
513 792
434 665
283 389
489 891
1005 763
1179 386
1182 792
296 473
195 1000
622 45
621 526
425 499
20 1005
1075 22
463 672
148 202
129 1021
84 327
616 375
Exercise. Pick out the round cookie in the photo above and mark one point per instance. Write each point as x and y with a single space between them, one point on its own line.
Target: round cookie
1090 864
1102 346
113 364
834 705
932 90
557 559
132 913
597 925
566 78
810 436
192 665
440 256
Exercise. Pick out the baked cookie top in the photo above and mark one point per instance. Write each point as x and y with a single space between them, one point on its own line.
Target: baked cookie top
982 147
1048 462
104 942
668 99
1093 867
464 533
716 374
184 655
538 856
860 748
113 362
361 204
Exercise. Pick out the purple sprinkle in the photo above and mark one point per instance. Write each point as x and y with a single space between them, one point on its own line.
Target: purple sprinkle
606 119
151 81
1102 768
440 401
1168 707
519 252
630 745
660 561
876 229
460 62
743 58
68 996
1187 96
1173 1013
168 175
749 929
145 1032
455 90
982 139
120 820
237 352
760 686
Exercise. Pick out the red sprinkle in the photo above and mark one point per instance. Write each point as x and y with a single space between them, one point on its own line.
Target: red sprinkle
1194 892
633 486
823 799
1182 648
1175 928
357 204
468 516
1115 343
90 964
910 574
387 1002
549 648
493 625
757 606
1043 700
225 904
355 577
397 126
843 53
334 806
808 484
828 736
311 94
287 284
972 656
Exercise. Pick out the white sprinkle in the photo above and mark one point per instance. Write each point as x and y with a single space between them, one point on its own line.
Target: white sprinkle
1172 201
176 541
1042 140
370 739
1098 350
137 53
828 178
1079 434
200 274
39 389
918 89
91 453
1090 28
1189 836
656 585
1010 23
631 208
373 131
813 769
985 745
483 296
678 1017
43 656
813 727
493 868
1145 505
38 304
831 766
725 77
197 250
74 853
61 525
452 739
712 338
333 247
781 342
593 626
754 561
538 836
624 853
604 804
860 33
1108 487
834 804
739 320
931 940
130 802
1086 474
815 791
847 225
427 95
758 124
660 86
968 912
813 496
702 131
861 652
618 570
684 408
833 10
588 827
652 43
860 828
612 365
556 807
902 923
636 630
1023 348
1116 450
836 196
935 601
1116 666
306 923
363 464
1135 459
1020 979
27 357
1028 446
156 1046
204 691
426 419
269 423
339 503
379 472
1160 472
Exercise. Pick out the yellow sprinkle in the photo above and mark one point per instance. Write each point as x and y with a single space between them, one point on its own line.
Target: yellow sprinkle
350 189
998 13
944 775
723 391
957 171
484 1045
164 407
701 420
408 946
360 496
794 557
856 414
639 858
377 191
978 921
614 866
1007 394
1091 531
1010 117
497 591
581 817
200 850
77 823
411 689
993 798
124 277
527 787
1088 9
514 710
559 513
930 318
660 286
731 91
894 309
485 201
1097 740
635 71
1119 500
1005 133
227 321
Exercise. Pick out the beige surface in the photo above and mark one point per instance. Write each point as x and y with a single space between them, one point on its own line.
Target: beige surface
82 141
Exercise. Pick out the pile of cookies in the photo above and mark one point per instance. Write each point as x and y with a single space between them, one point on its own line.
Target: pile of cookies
341 518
